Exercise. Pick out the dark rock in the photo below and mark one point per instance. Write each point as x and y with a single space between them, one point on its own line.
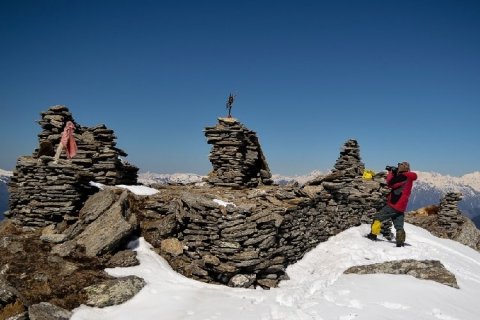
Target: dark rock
425 270
123 259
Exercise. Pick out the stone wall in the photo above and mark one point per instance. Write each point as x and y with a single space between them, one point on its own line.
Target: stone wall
252 240
236 156
44 192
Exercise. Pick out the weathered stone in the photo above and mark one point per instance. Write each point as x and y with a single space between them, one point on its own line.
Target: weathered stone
113 292
268 283
110 229
47 311
172 246
211 259
12 303
242 280
425 270
123 259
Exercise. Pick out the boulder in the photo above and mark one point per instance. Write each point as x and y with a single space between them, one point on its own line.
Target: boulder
425 269
48 311
111 229
113 292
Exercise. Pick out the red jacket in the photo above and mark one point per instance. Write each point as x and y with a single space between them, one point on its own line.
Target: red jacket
401 185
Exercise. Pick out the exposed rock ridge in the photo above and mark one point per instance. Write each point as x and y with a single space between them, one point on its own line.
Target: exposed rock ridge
236 156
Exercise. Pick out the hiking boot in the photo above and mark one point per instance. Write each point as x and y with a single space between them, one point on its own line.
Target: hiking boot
400 238
372 236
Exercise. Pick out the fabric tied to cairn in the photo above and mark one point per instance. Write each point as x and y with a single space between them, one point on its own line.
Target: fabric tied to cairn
68 140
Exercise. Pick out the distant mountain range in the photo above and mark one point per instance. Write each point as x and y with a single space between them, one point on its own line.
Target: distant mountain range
427 190
4 178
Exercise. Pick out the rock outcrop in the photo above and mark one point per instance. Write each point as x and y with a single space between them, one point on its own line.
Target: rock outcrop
106 222
426 270
236 156
446 221
43 191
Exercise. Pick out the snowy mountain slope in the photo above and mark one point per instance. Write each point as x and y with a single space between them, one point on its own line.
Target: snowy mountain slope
317 288
430 187
301 179
4 178
149 178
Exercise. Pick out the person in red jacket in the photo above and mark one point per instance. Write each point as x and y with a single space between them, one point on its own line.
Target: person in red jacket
400 180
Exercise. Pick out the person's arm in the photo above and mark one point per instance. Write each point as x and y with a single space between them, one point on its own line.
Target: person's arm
411 175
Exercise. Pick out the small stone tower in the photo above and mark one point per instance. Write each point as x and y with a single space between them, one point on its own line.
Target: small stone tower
449 216
236 156
349 161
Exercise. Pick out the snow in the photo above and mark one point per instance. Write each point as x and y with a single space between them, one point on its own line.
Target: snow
223 203
301 179
317 288
138 190
149 178
6 173
449 183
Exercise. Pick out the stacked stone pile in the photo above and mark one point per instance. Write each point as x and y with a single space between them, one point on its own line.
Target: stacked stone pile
42 193
349 161
351 194
236 156
447 221
97 151
449 216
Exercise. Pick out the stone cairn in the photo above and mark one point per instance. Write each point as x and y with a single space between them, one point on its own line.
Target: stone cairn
349 161
236 156
44 192
449 216
348 188
96 148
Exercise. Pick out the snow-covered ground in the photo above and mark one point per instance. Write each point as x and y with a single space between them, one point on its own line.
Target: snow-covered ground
317 288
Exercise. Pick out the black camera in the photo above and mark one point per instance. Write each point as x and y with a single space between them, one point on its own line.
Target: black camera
391 168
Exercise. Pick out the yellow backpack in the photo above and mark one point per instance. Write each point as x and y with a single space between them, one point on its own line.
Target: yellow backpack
368 174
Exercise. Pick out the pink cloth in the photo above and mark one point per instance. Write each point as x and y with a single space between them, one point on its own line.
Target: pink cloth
68 141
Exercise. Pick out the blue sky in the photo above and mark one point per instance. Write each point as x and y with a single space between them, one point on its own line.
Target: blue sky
401 77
